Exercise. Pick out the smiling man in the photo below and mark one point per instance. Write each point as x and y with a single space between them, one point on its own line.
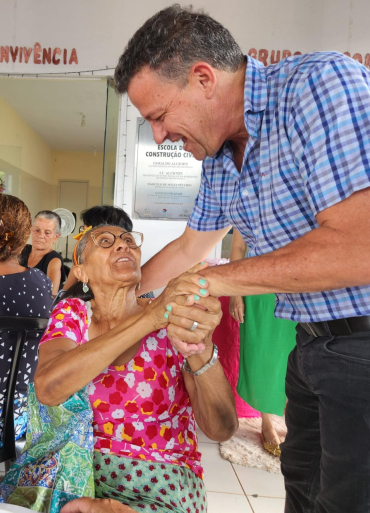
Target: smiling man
286 153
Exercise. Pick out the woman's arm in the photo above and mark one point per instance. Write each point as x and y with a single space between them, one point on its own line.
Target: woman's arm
211 398
71 280
210 393
54 273
63 368
238 249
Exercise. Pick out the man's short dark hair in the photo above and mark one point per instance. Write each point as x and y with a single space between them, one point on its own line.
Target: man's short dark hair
171 41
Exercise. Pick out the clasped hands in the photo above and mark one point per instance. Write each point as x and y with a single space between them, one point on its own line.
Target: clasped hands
188 311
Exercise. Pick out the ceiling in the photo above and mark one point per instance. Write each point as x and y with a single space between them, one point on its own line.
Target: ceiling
54 109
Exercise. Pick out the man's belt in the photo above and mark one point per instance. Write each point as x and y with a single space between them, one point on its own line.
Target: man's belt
337 327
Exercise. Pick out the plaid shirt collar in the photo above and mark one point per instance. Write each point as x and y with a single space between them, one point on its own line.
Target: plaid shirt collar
255 101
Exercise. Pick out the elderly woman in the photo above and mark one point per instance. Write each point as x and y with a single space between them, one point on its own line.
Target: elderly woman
145 398
45 231
99 215
24 292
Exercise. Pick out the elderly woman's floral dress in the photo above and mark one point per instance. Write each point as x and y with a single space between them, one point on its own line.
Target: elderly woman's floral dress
146 448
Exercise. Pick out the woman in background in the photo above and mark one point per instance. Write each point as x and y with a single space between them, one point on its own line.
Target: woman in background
24 292
45 231
265 343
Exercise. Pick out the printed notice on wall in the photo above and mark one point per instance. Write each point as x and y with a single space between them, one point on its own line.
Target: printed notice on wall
167 178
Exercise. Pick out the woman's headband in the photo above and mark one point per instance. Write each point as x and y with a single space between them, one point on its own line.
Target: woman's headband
78 237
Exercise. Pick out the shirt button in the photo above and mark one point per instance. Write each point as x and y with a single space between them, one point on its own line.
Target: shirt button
245 192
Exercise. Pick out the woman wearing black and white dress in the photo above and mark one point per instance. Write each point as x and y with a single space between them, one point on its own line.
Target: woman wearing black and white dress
24 292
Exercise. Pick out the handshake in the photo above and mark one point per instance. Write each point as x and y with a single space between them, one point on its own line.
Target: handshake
188 311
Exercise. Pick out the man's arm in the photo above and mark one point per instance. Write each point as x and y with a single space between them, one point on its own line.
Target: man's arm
333 256
178 256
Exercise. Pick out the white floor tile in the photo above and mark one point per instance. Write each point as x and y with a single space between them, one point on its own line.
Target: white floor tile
266 505
260 482
227 503
219 475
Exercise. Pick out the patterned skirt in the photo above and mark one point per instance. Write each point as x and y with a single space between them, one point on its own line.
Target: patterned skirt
148 486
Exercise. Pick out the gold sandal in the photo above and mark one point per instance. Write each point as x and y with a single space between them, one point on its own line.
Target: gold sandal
272 448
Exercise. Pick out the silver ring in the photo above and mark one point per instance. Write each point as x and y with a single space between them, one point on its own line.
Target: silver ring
194 327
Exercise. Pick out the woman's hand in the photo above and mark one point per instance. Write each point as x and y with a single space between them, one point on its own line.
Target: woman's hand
183 314
185 285
89 505
237 308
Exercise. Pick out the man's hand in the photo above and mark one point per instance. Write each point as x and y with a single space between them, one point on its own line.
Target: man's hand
89 505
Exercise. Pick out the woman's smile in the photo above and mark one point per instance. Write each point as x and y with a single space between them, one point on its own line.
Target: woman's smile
124 259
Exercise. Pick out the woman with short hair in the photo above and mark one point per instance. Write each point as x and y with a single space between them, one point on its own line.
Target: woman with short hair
24 292
45 232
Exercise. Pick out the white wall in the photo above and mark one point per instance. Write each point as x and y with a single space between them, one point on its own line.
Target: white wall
100 29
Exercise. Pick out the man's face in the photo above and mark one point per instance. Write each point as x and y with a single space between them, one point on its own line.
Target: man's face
176 113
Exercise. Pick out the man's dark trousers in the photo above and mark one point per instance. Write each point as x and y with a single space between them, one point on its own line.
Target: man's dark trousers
326 456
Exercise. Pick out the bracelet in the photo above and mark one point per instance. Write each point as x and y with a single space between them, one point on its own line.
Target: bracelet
212 361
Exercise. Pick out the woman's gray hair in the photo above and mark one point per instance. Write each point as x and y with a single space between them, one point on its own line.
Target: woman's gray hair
82 243
52 216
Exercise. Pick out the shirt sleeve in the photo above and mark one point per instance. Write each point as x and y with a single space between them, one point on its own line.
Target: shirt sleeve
207 214
67 320
329 129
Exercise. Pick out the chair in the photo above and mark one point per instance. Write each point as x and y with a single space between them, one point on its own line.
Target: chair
22 326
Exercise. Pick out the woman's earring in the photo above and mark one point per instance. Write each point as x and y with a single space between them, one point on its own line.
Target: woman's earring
138 287
85 288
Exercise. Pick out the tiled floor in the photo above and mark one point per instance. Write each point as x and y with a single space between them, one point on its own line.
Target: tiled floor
232 488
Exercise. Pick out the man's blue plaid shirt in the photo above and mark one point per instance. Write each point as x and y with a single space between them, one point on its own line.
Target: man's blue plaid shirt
308 119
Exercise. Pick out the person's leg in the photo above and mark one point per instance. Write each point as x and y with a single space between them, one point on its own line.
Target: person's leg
270 438
268 429
328 420
301 450
342 383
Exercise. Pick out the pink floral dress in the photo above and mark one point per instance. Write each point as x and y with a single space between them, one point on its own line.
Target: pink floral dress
142 409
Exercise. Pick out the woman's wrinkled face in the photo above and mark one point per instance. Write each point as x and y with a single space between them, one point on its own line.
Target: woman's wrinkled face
44 234
118 263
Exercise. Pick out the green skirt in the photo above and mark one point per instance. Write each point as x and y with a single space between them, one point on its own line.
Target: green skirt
148 486
265 343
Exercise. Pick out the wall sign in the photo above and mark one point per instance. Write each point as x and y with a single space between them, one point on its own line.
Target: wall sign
167 178
38 55
275 56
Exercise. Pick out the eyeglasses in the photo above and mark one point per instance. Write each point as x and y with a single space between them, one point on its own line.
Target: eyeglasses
106 240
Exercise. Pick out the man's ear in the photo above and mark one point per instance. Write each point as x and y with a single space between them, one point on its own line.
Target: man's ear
204 76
